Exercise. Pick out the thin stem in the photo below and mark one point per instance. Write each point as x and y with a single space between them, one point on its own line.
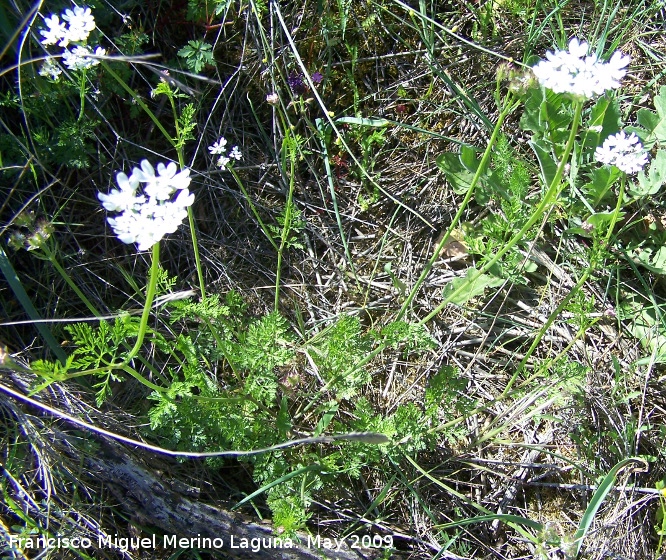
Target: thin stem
139 101
82 93
197 256
551 196
178 144
463 206
286 227
150 296
263 226
63 273
581 282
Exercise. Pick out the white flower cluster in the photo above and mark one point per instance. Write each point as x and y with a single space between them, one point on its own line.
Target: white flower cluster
148 217
624 152
580 74
219 148
75 28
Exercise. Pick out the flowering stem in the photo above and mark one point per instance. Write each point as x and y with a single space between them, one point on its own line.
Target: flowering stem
285 231
197 257
618 209
82 93
150 296
581 282
508 109
554 189
178 144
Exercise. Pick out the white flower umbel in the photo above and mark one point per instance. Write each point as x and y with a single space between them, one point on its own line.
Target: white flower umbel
81 23
577 73
56 31
165 183
235 153
79 57
50 69
218 147
148 217
624 152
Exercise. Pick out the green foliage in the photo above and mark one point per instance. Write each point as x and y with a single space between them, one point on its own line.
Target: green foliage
651 182
186 123
464 288
338 353
413 336
69 145
290 227
651 127
460 170
103 345
197 55
205 10
132 42
266 345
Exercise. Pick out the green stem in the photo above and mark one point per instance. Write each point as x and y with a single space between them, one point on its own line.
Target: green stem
463 206
581 282
139 102
82 93
554 190
197 256
263 226
52 259
150 296
178 144
286 227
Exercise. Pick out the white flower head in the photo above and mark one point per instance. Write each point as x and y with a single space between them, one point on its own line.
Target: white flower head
577 73
624 152
56 31
235 153
222 161
81 23
125 198
165 183
79 57
218 147
147 218
50 69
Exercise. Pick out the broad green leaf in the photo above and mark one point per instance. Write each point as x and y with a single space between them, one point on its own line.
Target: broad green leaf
602 219
457 174
602 179
653 260
651 181
460 170
547 117
468 158
460 290
604 120
652 125
546 162
330 410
